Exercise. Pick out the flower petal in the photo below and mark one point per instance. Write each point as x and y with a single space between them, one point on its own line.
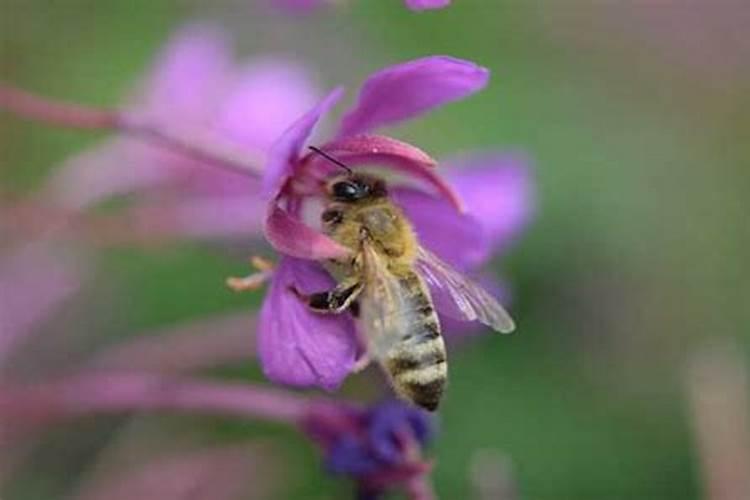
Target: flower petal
297 346
457 238
292 237
427 4
188 346
266 97
372 145
34 282
410 89
284 153
499 193
390 418
350 456
384 151
201 217
97 174
300 6
188 77
148 464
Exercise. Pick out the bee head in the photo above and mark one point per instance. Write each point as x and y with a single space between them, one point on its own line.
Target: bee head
351 187
355 187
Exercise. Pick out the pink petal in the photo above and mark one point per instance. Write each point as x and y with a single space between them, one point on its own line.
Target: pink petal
387 152
285 152
499 193
265 99
34 282
410 89
299 347
188 77
427 4
292 237
114 167
301 6
457 238
188 346
372 146
202 217
174 476
207 181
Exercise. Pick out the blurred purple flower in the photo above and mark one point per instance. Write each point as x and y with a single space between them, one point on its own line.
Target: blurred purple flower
302 6
427 4
188 346
220 473
309 5
194 86
34 282
303 348
380 447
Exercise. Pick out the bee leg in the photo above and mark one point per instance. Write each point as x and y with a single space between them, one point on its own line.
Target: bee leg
333 301
252 281
362 363
354 309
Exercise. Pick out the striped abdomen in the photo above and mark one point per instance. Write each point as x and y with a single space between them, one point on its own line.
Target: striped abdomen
417 364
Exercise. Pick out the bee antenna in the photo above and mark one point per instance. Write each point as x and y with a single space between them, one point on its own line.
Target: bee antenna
330 158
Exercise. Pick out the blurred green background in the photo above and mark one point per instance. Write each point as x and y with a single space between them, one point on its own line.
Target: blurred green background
636 116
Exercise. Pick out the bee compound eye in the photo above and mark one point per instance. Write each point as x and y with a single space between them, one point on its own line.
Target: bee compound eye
346 190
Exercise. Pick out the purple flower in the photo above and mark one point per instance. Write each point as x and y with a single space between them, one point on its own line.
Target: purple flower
34 282
303 348
194 87
309 5
187 346
379 447
302 6
143 470
498 195
427 4
289 335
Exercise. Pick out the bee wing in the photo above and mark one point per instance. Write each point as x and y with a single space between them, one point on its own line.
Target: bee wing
386 313
473 302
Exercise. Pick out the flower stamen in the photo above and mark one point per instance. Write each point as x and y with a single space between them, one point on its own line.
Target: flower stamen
255 280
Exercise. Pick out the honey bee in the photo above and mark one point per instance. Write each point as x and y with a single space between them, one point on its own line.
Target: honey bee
385 286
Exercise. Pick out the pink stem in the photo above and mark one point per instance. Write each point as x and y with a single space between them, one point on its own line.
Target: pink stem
208 149
491 475
33 107
420 488
115 393
184 347
199 147
718 387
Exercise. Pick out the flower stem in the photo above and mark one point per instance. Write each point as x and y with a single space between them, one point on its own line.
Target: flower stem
194 345
63 114
717 383
123 392
37 108
420 488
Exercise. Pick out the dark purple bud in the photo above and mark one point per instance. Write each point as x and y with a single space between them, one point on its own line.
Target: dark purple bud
389 421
